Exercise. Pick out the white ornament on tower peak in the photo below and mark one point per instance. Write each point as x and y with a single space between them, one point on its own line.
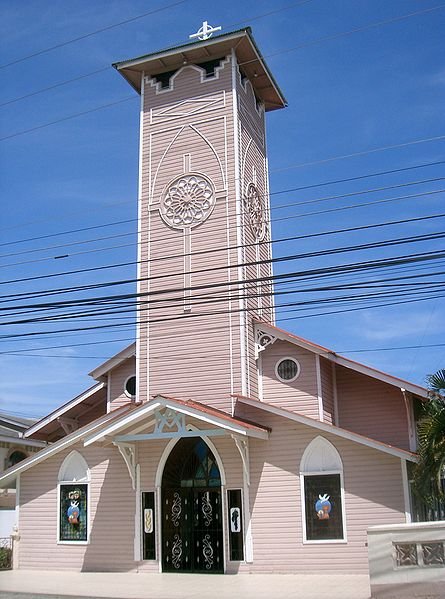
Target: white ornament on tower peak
204 32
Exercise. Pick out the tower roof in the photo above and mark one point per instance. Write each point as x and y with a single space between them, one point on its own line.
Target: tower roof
195 52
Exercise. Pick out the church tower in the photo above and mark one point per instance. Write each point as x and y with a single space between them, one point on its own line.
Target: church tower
204 222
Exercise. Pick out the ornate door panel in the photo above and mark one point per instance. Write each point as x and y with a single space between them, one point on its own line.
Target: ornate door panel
176 527
207 531
192 538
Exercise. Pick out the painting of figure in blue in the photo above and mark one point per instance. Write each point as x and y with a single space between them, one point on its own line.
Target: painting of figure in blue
73 512
323 507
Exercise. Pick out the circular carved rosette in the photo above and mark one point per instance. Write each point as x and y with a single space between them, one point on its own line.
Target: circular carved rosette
253 204
187 201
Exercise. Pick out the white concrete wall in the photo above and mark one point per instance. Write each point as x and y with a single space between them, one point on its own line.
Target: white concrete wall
389 577
7 521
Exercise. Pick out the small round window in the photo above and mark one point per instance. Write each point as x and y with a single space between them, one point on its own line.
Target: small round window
130 386
287 370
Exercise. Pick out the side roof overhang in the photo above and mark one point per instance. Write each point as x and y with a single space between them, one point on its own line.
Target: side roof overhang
72 409
172 59
11 474
329 428
100 371
329 354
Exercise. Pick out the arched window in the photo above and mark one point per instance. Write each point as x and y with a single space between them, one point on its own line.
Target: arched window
74 477
322 493
15 457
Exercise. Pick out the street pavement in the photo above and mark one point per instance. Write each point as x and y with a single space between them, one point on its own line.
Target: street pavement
38 584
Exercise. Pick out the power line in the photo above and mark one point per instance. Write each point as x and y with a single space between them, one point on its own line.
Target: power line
285 258
108 68
69 117
224 217
346 33
55 86
356 351
372 264
207 233
87 35
301 188
180 333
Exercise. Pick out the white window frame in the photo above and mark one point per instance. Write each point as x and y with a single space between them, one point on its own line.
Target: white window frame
298 369
125 386
74 455
322 442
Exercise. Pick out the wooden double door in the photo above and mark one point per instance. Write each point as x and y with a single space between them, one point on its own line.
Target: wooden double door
192 521
192 536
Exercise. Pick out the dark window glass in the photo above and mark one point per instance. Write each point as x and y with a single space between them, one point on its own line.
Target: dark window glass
130 386
148 526
73 512
15 458
287 369
324 520
191 464
235 520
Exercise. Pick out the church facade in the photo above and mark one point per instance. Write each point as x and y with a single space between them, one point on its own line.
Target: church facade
217 442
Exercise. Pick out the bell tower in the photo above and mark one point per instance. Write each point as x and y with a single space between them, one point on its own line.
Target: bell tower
204 226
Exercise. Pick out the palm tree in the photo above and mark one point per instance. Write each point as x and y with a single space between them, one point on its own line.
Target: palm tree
429 473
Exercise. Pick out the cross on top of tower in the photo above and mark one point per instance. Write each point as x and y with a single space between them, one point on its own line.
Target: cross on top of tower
205 31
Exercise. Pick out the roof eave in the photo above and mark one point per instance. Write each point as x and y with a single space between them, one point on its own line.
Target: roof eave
343 361
126 353
127 68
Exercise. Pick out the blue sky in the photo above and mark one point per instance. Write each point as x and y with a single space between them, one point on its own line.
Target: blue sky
348 93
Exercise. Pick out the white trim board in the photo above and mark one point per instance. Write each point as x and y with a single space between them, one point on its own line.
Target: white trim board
158 402
341 360
329 428
57 413
53 449
123 355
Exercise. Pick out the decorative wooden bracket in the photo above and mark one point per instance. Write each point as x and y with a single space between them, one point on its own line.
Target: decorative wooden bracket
69 425
128 452
243 448
262 340
168 420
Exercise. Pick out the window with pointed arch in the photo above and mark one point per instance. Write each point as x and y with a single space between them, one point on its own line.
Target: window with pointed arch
73 493
322 493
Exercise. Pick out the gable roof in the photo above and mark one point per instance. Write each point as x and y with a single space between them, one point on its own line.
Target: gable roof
328 428
128 352
191 408
331 355
72 409
11 473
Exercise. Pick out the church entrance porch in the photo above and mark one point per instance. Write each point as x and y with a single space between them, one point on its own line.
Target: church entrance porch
192 523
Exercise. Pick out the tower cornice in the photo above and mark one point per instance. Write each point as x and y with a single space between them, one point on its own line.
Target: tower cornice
196 52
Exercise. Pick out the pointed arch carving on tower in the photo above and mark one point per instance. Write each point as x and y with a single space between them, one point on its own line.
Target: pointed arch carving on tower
209 163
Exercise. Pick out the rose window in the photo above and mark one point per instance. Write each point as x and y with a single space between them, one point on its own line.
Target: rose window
255 211
188 201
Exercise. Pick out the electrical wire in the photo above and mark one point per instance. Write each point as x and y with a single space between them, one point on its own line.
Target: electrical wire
224 217
91 34
301 188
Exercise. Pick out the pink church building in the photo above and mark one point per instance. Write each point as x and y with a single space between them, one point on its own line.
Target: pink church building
216 442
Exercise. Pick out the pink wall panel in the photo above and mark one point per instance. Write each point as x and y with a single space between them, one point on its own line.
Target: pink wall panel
372 408
299 395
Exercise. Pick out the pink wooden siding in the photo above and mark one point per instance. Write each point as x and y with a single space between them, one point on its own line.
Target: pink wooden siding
327 390
372 408
178 360
373 495
299 395
118 377
195 118
112 505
